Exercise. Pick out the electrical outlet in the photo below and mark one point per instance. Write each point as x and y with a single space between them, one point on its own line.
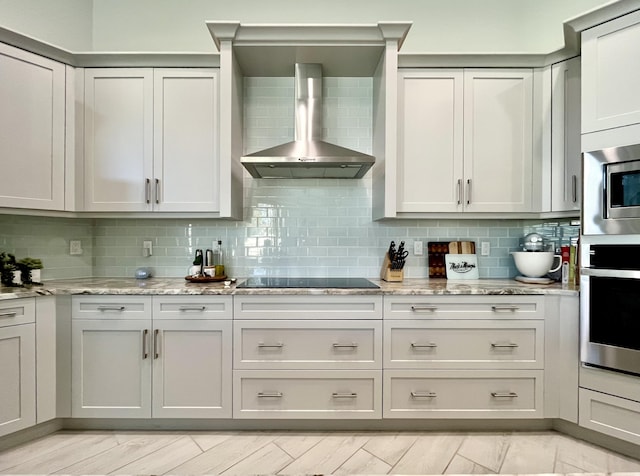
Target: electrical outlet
418 248
75 247
147 248
485 248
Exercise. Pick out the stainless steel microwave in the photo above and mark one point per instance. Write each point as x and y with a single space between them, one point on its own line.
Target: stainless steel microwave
611 194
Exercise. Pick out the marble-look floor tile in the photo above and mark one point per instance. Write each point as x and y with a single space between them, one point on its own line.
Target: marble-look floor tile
592 458
363 462
390 447
461 465
530 454
327 456
429 454
206 441
164 459
40 447
269 459
486 449
295 444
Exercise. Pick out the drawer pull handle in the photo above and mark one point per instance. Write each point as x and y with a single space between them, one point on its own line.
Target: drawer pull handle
270 394
344 395
111 308
145 350
424 394
192 308
353 345
424 308
9 314
504 394
509 308
262 345
510 345
430 345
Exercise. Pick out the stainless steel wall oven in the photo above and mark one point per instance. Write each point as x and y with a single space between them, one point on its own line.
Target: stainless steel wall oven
610 307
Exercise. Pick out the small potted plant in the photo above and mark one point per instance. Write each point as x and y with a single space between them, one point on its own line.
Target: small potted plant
9 271
30 270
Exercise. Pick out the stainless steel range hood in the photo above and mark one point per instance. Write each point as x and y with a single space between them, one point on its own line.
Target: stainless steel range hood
308 156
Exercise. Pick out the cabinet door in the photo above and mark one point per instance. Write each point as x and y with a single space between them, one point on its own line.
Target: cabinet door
118 139
430 141
565 136
498 140
611 74
32 121
17 378
192 369
186 172
111 368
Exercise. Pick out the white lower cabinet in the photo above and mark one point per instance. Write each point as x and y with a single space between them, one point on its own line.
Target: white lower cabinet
299 356
463 357
611 415
17 365
125 366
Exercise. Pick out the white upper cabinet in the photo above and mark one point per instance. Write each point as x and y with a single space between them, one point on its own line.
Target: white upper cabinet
32 130
611 74
151 140
465 141
566 159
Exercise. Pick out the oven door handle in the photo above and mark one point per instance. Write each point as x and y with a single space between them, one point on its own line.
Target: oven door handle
611 273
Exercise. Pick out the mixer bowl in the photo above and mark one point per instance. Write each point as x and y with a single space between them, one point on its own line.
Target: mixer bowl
534 264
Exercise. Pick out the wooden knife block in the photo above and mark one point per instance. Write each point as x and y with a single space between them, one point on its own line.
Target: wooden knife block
388 274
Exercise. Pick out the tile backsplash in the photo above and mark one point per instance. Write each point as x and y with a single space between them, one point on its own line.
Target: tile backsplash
290 227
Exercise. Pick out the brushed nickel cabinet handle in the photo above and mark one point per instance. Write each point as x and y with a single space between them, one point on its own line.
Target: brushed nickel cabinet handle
8 314
147 190
504 394
510 345
424 308
156 354
508 307
344 395
157 191
111 308
424 394
459 191
430 345
192 308
145 350
468 191
353 345
270 394
262 345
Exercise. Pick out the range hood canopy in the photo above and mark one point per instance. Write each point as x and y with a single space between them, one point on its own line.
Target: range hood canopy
308 156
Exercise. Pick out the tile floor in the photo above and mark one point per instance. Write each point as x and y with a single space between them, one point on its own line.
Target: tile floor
289 452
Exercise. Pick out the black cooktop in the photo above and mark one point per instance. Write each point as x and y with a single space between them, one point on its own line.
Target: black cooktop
277 282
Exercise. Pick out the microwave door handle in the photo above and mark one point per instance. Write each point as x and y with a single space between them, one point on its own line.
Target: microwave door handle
610 273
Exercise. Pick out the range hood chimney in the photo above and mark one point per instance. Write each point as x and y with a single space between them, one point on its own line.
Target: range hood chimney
308 156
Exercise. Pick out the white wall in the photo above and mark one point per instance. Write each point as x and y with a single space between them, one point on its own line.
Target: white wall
447 26
63 23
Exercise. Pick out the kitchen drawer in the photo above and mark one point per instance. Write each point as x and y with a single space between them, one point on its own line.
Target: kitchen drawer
463 394
307 306
464 307
307 394
17 311
192 307
610 415
307 345
460 344
111 307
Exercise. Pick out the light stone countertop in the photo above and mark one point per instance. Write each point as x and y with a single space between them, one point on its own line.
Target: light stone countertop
178 286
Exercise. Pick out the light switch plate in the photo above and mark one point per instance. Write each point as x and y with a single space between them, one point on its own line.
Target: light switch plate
485 248
418 249
75 247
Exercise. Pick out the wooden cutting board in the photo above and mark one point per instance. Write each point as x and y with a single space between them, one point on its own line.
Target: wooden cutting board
462 248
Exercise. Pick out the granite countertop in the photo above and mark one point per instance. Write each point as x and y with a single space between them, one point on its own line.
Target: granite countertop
178 286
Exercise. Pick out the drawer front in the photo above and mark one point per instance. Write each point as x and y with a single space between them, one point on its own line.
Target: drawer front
464 344
307 306
17 311
111 307
464 307
463 394
307 394
192 307
610 415
308 345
